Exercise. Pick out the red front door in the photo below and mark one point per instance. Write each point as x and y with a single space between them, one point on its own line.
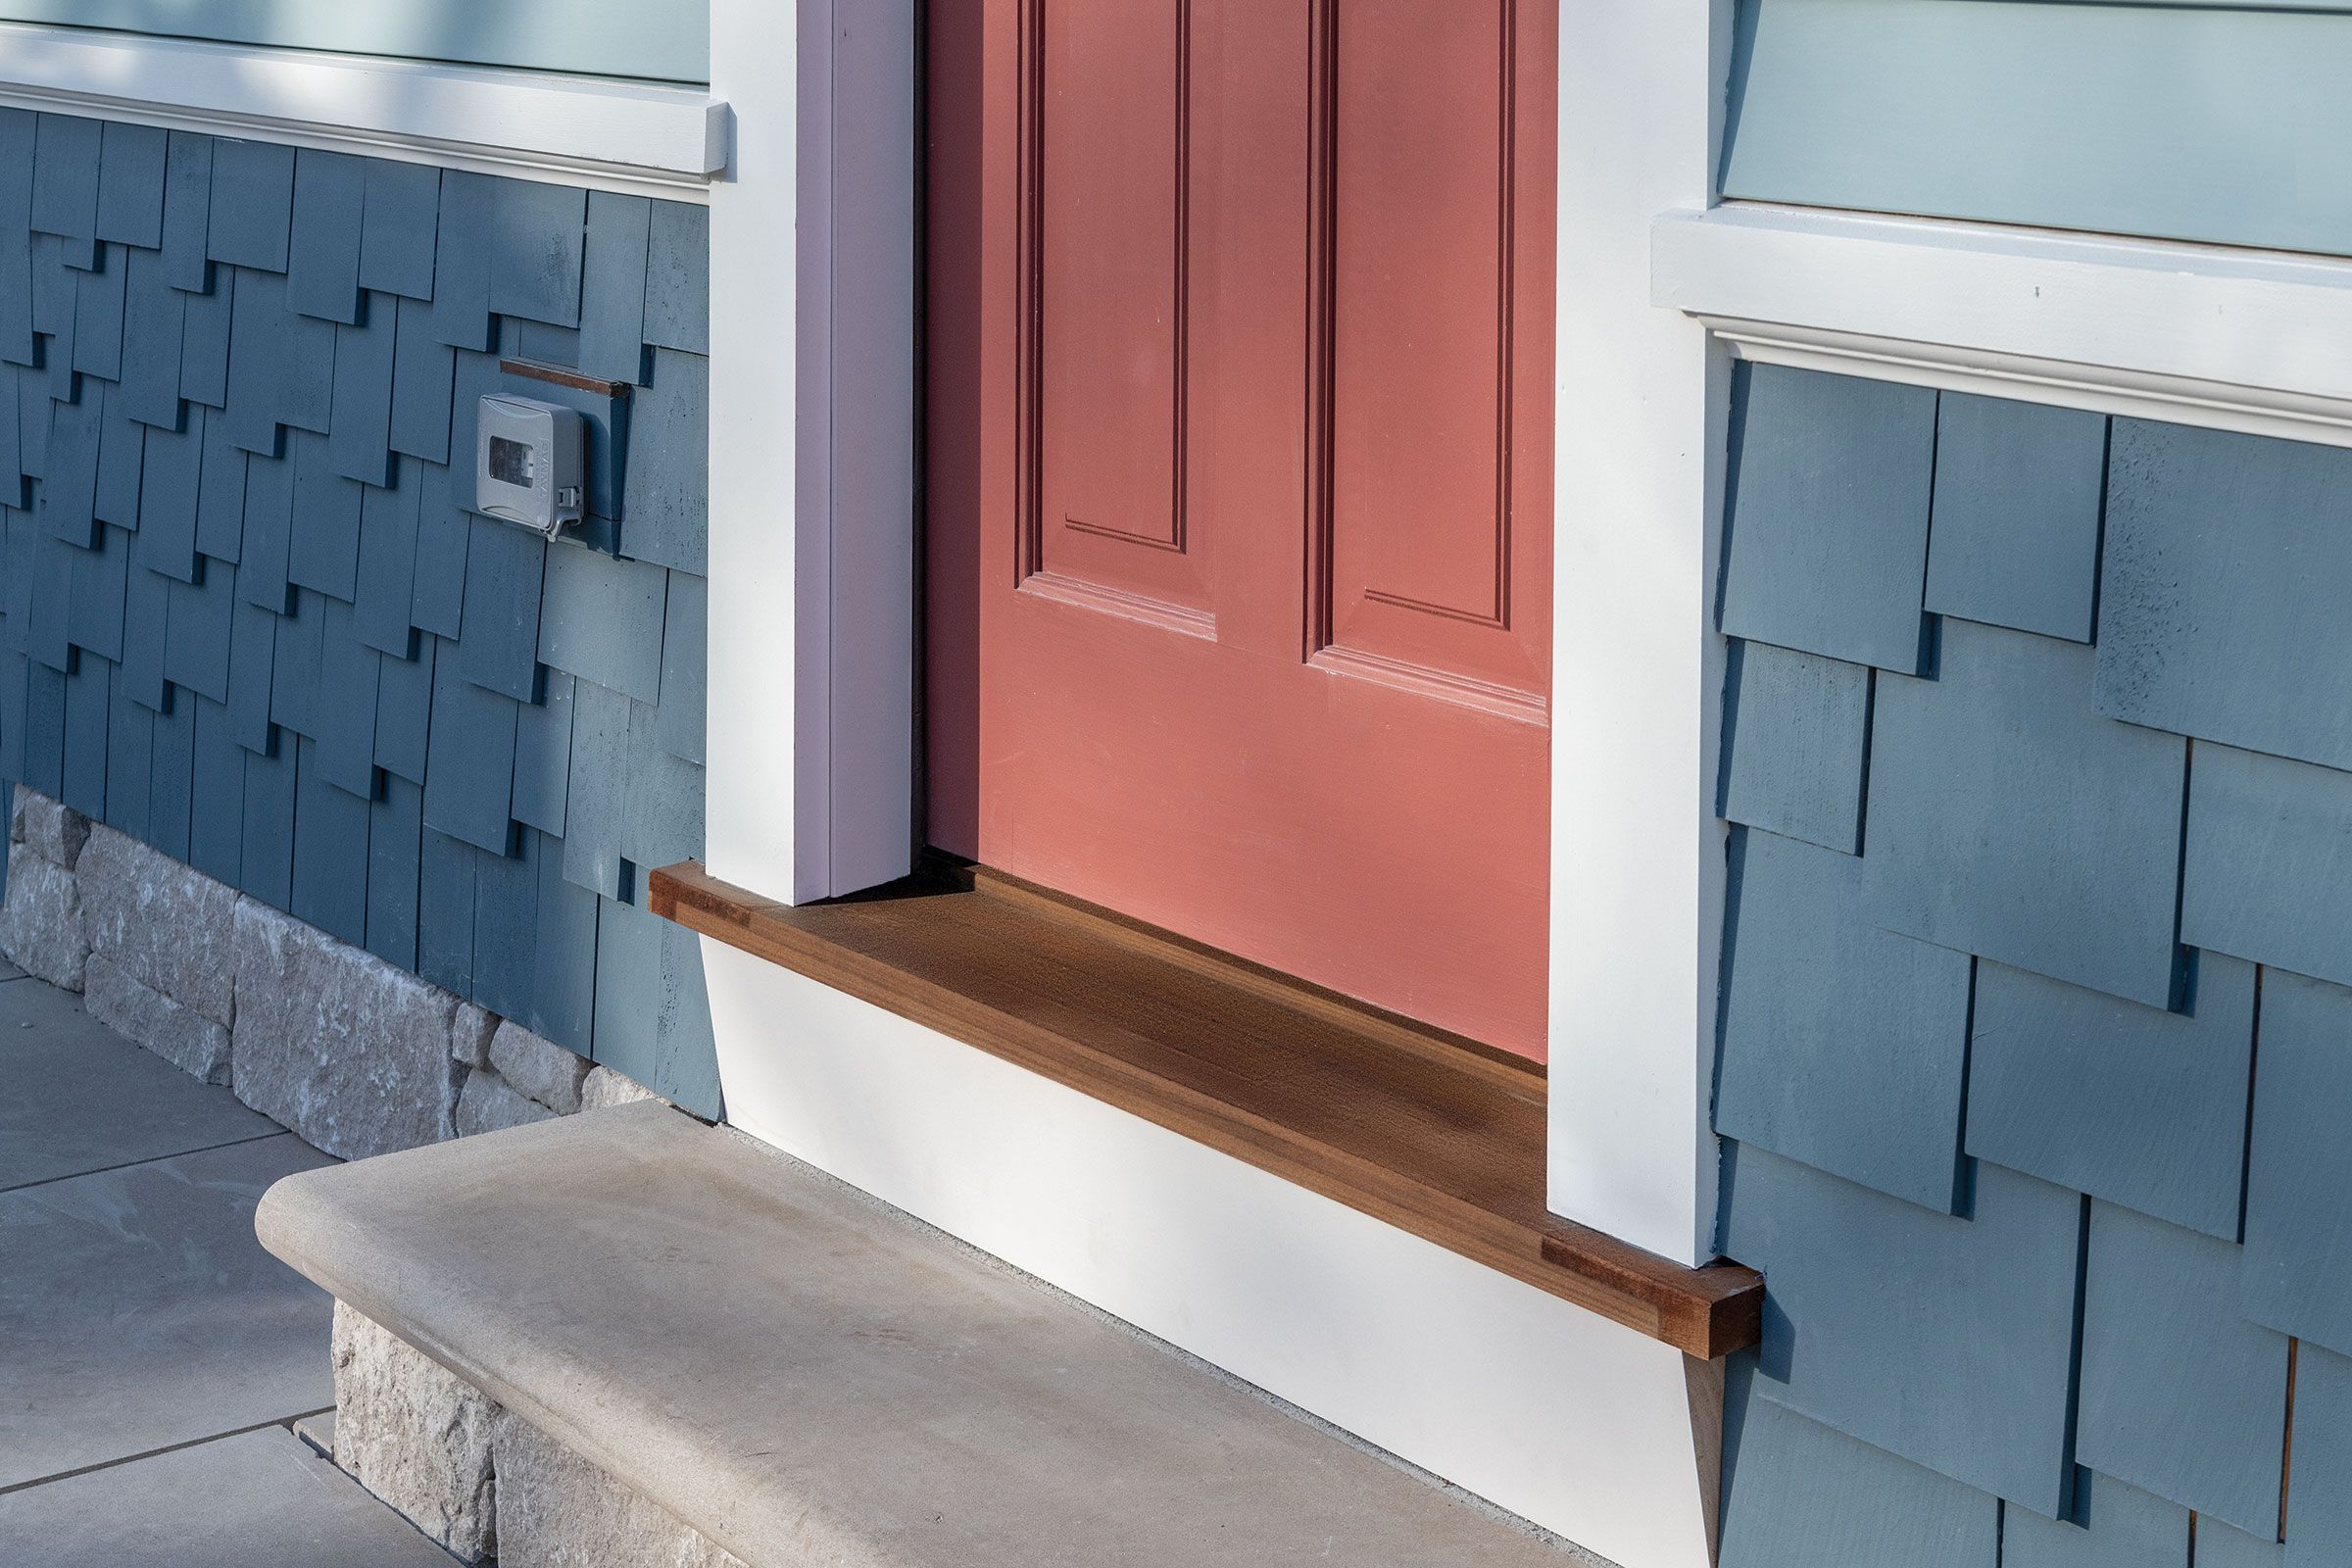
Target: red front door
1240 484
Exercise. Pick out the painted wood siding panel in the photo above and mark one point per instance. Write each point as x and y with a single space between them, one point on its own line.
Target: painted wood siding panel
2127 1103
1796 732
2226 123
2180 1395
2269 868
1843 1044
2115 1525
1827 514
2229 564
667 40
1946 1341
1799 1495
2298 1259
272 636
2018 490
2320 1531
1999 775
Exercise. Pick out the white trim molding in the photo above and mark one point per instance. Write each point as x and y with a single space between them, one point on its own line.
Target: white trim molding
640 137
810 763
1637 855
2199 334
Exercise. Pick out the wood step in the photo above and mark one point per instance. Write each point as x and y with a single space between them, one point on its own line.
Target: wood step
1433 1132
804 1374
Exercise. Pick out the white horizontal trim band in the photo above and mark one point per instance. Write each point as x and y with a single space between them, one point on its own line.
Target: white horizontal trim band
2200 334
574 130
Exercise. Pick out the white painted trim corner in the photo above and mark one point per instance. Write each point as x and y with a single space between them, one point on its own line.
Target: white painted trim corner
809 782
2201 334
1638 867
642 137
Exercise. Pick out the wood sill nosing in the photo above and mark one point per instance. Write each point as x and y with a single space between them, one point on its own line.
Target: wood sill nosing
1426 1131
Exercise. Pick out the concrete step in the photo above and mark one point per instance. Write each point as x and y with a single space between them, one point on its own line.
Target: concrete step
806 1376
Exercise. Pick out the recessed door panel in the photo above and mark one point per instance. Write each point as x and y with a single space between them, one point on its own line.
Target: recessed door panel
1240 599
1113 345
1427 559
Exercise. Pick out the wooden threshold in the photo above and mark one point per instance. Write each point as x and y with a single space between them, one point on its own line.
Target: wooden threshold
1433 1132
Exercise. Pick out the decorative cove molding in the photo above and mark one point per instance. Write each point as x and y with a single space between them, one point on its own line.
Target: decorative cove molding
2197 335
639 138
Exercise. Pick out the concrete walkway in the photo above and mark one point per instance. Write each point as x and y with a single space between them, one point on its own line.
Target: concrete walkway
153 1359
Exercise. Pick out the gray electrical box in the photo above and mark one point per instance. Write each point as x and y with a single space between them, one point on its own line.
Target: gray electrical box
528 465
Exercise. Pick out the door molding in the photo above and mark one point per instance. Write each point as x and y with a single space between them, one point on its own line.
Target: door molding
1638 855
814 286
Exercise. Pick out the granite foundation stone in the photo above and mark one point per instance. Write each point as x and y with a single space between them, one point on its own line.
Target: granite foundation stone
417 1436
538 1068
42 925
346 1050
47 829
167 925
603 1088
557 1510
183 1037
470 1033
488 1103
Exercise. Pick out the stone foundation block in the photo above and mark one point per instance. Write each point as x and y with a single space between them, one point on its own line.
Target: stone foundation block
41 924
336 1044
183 1037
470 1033
170 927
538 1068
47 829
557 1510
603 1088
415 1435
488 1103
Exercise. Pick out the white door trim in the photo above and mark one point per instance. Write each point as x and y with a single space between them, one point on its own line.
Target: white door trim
641 138
809 782
2203 334
1637 854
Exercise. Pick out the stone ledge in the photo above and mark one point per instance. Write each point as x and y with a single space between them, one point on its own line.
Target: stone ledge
802 1375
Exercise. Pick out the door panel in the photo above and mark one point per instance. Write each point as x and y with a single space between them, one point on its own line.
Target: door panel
1425 552
1240 611
1113 350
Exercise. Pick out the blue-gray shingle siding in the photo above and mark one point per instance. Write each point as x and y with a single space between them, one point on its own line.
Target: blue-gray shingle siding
248 614
2126 832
